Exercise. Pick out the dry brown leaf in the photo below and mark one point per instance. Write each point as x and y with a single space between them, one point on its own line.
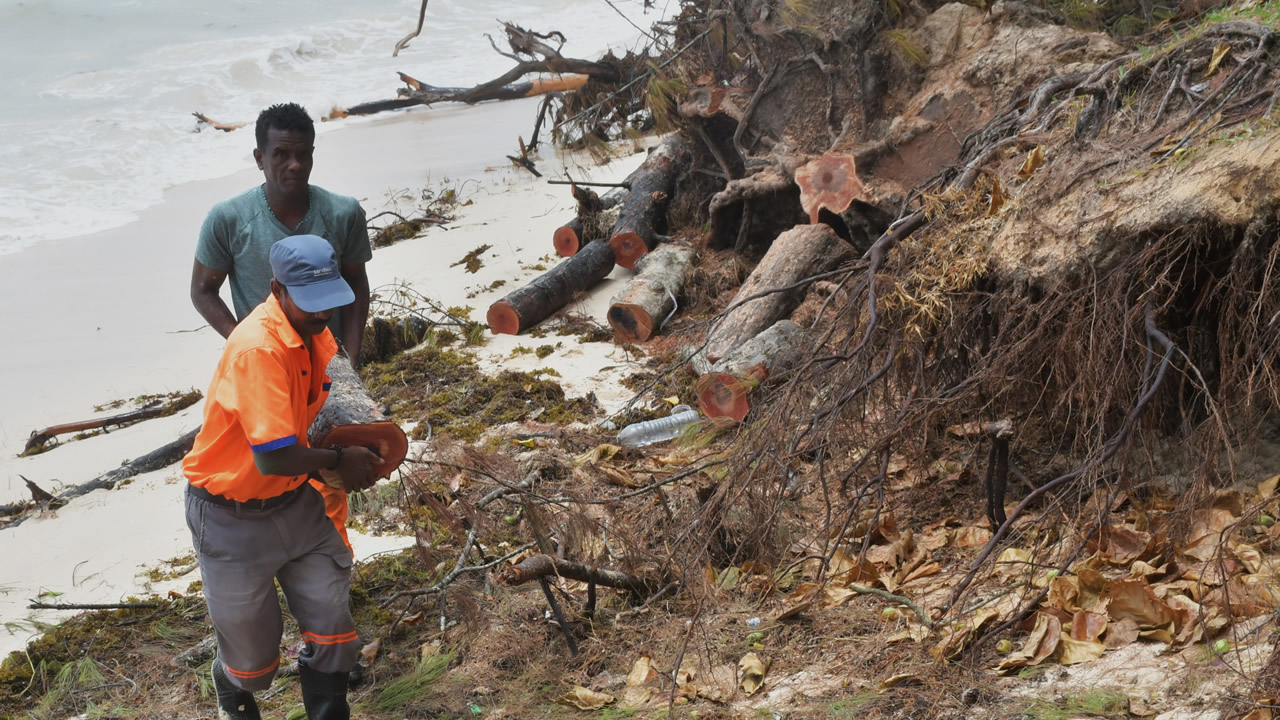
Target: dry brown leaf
1250 556
751 671
1087 626
428 650
1246 596
1040 644
1123 544
924 571
1120 634
1267 487
1035 159
1091 585
1219 52
793 611
845 570
900 679
972 536
585 699
1072 651
618 476
369 652
1164 634
598 454
1140 569
938 538
1133 599
641 672
719 684
1017 556
1064 593
915 632
957 636
636 697
1206 532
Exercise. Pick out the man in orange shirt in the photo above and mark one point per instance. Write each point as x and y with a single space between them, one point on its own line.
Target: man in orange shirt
253 515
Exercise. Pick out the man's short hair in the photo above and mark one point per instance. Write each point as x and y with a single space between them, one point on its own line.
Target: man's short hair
283 116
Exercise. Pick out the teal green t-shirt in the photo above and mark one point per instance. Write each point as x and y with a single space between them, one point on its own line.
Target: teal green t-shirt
237 236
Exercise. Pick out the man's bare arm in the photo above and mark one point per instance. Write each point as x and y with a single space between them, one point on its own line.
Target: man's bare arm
205 284
355 315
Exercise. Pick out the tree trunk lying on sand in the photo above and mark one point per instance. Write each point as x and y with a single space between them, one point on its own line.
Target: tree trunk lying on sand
541 566
547 293
156 459
722 391
597 214
639 310
644 214
801 252
351 417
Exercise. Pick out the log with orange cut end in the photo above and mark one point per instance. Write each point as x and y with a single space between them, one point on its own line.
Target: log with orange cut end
644 213
723 389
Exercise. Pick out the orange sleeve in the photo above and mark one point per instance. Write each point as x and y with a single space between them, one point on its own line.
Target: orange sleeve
256 391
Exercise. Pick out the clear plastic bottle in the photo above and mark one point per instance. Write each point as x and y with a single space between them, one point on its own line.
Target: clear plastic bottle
655 431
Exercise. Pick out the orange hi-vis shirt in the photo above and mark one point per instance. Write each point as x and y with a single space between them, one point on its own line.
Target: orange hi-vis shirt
265 394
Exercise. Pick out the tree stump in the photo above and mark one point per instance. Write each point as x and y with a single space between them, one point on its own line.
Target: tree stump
350 417
722 392
644 213
801 252
644 303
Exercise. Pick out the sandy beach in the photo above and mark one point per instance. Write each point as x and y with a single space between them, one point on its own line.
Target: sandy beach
104 317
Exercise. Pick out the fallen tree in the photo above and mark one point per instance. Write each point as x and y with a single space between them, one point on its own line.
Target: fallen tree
722 388
596 215
644 212
350 417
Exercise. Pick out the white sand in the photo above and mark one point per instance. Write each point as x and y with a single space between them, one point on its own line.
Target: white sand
103 317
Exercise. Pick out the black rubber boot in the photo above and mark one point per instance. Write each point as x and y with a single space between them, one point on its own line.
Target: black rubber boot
233 703
324 694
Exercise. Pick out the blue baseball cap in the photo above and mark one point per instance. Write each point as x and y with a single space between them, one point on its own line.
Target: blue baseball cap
307 266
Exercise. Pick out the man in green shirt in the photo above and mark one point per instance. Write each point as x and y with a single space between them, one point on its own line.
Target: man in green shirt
237 235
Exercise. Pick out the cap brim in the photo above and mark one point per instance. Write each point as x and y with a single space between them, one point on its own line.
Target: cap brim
321 296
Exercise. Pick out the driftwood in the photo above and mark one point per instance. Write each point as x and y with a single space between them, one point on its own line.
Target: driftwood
550 291
597 214
796 254
93 606
644 214
224 127
350 417
420 93
40 437
544 566
404 41
161 457
644 304
722 390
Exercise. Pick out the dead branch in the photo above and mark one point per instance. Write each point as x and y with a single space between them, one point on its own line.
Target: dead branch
156 409
404 41
542 566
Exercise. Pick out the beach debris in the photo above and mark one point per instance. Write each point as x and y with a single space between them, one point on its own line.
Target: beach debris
596 215
648 300
403 42
223 126
155 407
547 293
542 566
644 212
350 417
799 253
162 456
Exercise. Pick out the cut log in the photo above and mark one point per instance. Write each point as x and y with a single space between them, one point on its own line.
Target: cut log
350 417
638 311
722 392
550 291
799 253
597 214
644 214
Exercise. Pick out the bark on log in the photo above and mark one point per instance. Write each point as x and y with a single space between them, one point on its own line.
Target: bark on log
638 311
801 252
644 214
550 291
722 392
596 216
542 566
161 457
350 417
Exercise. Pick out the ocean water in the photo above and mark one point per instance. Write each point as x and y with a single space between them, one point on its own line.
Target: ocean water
96 96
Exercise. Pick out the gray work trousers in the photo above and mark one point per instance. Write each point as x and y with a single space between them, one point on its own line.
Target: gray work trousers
241 552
